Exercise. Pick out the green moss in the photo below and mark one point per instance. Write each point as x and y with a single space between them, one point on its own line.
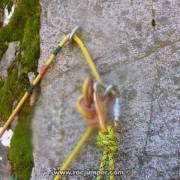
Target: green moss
29 45
15 29
1 83
3 48
5 2
12 88
8 94
24 27
21 146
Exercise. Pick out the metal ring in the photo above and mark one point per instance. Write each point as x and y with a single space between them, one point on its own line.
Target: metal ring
108 89
95 85
74 31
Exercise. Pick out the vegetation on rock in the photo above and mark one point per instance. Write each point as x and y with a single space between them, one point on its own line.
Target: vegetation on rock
24 27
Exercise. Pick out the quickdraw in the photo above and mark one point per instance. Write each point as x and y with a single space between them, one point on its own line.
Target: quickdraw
92 104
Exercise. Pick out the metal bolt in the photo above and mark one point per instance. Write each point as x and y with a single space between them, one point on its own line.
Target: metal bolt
117 109
74 32
108 89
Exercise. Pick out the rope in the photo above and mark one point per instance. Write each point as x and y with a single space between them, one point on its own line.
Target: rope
92 113
74 153
89 130
84 104
108 142
88 58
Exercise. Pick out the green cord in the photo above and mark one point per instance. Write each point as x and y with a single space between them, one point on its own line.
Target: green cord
108 142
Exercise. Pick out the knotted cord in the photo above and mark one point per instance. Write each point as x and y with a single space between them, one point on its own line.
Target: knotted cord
108 142
94 112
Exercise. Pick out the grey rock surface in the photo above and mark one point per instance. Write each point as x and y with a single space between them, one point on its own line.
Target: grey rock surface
8 57
141 59
4 163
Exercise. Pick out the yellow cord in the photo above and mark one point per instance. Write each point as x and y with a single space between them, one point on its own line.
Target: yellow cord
27 94
13 114
64 41
88 58
74 153
89 131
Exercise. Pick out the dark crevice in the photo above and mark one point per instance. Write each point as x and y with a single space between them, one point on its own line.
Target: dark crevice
153 22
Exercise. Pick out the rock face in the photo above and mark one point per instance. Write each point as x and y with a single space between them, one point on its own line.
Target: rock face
137 54
8 58
4 163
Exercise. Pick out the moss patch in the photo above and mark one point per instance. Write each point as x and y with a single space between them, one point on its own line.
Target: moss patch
3 48
21 147
24 27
